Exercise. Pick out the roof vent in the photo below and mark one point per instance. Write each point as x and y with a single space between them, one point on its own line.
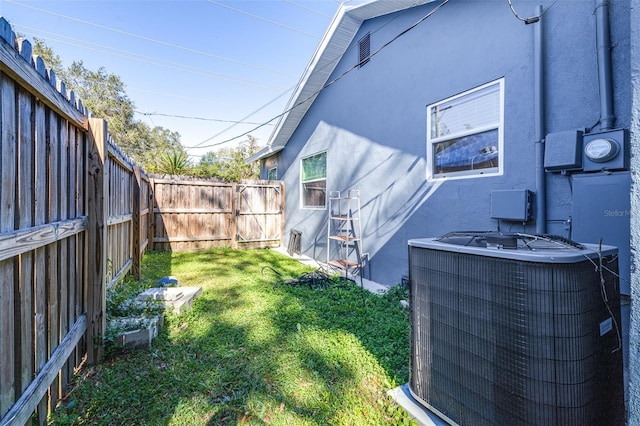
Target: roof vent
365 49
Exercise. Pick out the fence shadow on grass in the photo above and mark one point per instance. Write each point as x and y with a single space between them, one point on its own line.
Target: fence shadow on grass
254 351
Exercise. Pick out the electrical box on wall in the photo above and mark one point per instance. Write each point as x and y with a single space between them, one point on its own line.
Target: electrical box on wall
512 204
605 151
563 151
601 209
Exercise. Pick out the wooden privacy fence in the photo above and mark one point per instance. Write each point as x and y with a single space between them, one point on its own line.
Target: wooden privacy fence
193 214
76 215
73 219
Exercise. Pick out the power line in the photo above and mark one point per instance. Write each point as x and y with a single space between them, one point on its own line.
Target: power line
326 85
263 19
141 58
200 144
301 6
148 114
141 37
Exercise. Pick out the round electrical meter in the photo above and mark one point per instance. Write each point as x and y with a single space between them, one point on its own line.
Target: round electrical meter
601 150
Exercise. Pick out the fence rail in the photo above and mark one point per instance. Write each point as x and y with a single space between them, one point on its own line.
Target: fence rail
76 215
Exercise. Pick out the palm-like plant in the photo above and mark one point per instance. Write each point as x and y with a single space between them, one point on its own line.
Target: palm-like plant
175 162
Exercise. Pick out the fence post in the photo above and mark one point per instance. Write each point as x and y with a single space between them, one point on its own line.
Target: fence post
151 221
97 186
137 205
282 210
234 216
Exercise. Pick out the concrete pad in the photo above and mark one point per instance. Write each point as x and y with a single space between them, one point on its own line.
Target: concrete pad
372 286
178 298
402 396
299 257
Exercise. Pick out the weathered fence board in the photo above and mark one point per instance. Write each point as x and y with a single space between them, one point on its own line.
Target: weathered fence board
24 318
53 249
40 220
8 154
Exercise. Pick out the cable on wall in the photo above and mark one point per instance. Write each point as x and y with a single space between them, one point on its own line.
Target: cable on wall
531 19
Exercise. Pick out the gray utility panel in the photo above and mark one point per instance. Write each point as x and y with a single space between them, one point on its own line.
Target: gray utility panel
513 204
602 210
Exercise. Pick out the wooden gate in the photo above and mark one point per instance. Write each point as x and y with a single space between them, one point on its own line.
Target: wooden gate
191 214
260 214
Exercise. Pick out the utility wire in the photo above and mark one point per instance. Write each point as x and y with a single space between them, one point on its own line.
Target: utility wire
149 114
263 19
141 37
140 58
200 144
326 85
301 6
531 19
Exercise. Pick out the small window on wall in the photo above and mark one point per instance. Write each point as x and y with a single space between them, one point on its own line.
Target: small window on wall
314 181
272 174
465 134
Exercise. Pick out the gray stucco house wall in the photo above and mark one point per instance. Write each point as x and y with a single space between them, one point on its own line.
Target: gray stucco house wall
372 122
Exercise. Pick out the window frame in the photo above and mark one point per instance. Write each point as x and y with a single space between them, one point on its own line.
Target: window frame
275 173
303 182
499 126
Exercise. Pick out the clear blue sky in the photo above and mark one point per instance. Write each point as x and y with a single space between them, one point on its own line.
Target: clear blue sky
227 60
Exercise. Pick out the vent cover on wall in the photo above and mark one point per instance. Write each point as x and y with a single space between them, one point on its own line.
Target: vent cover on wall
519 335
364 49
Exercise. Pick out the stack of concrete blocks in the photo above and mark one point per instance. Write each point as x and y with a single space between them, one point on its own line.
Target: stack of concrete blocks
172 297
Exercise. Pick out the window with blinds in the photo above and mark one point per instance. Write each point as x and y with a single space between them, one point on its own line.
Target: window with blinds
313 181
464 137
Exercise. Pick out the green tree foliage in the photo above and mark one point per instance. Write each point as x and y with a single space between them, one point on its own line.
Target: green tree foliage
105 96
229 164
153 144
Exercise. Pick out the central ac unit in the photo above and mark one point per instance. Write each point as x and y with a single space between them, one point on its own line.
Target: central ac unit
514 329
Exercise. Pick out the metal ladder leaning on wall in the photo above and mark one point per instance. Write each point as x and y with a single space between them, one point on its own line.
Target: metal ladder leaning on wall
344 233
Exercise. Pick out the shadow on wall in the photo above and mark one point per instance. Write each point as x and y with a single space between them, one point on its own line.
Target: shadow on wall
392 185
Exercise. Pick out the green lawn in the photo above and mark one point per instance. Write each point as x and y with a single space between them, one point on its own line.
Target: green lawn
253 350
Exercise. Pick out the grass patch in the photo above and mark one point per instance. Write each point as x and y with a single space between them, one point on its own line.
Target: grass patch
253 350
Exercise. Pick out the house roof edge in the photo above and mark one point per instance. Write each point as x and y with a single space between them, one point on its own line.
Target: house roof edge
263 153
336 40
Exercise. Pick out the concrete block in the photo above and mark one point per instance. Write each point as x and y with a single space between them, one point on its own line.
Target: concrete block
143 332
178 298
